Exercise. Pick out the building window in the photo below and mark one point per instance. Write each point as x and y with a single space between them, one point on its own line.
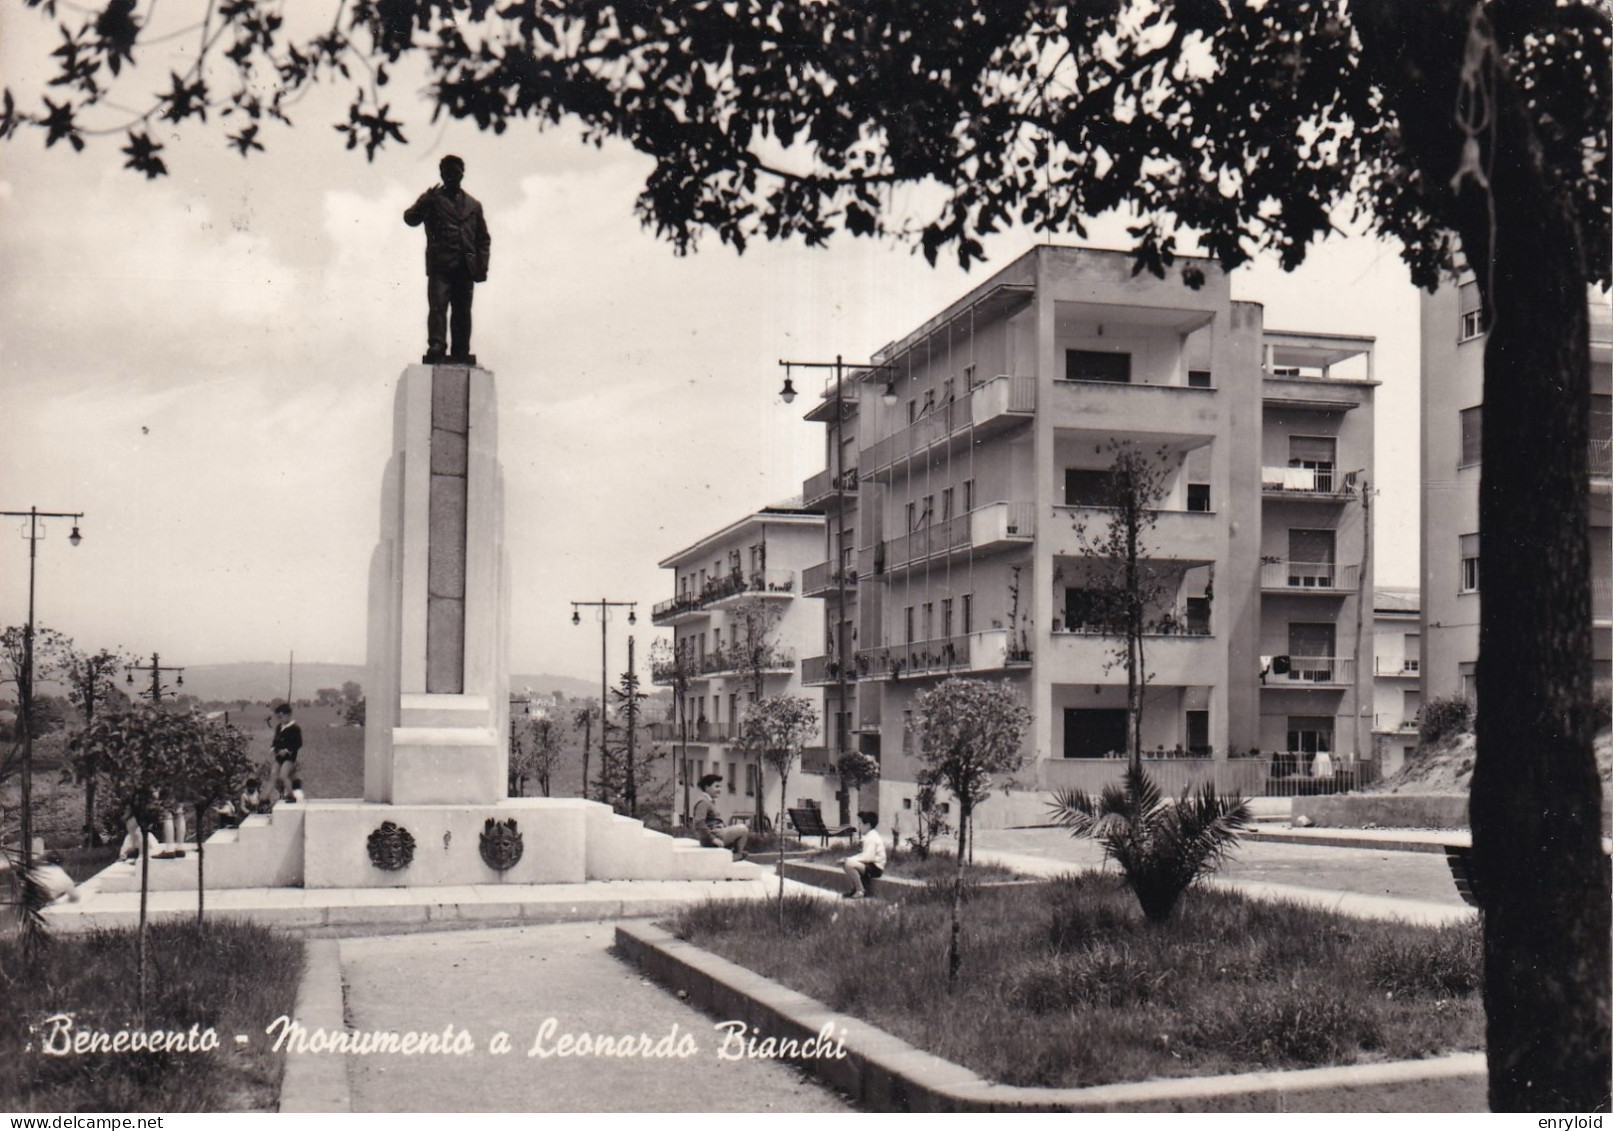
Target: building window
1310 734
1198 378
1095 365
912 517
1471 323
907 732
912 411
1198 733
946 617
1412 654
968 495
1471 419
969 376
947 395
968 614
1198 616
1198 496
1094 732
750 779
733 786
1469 553
946 503
907 625
1318 454
1088 487
928 623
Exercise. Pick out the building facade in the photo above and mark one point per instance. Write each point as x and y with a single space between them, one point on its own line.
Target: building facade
1396 676
739 626
1452 363
966 489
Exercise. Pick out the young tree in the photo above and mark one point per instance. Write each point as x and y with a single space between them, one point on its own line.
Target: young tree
1121 590
138 753
753 621
674 664
92 684
967 730
780 726
211 763
619 776
541 752
1471 131
583 720
855 770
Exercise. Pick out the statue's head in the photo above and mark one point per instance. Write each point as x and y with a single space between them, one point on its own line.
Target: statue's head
452 170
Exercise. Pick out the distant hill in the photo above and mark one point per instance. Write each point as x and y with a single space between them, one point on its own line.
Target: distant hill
260 682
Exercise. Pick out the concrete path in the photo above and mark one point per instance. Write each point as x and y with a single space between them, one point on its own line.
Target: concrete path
551 981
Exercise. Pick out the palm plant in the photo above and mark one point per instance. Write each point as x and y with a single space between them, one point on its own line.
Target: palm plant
1162 846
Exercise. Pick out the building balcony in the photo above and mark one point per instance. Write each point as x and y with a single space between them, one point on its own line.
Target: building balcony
700 731
1194 536
822 671
979 651
1602 460
1321 578
735 661
1602 599
984 530
823 580
1177 658
1306 672
1391 668
827 490
1307 484
722 592
1158 412
991 406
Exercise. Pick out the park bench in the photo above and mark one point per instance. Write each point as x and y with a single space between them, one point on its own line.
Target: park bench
809 822
1459 857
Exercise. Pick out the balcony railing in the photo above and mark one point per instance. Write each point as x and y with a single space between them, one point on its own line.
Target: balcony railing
1314 577
699 731
1000 396
981 651
821 488
817 671
1384 665
1278 774
991 525
1307 481
1313 671
823 579
724 661
1602 598
768 582
1602 459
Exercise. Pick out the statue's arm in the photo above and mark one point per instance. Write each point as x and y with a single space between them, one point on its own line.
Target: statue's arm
484 247
415 214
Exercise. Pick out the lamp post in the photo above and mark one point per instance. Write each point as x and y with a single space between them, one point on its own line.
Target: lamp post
604 606
835 541
26 690
156 669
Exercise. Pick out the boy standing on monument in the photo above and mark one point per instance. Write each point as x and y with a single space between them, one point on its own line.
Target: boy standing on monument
287 746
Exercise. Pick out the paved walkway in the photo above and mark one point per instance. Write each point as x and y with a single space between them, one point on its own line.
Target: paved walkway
525 982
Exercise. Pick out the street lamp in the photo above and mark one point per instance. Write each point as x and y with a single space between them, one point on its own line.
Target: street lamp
604 606
834 539
156 669
26 690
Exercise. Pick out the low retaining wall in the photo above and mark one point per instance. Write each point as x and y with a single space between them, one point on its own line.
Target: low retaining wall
885 1073
1384 810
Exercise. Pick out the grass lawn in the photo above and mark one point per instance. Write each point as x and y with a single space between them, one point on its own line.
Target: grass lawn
1065 984
232 978
940 867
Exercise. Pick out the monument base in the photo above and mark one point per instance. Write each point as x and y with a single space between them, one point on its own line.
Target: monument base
346 844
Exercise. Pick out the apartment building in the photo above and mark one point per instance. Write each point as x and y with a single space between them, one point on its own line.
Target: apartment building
1396 676
963 492
1452 406
739 625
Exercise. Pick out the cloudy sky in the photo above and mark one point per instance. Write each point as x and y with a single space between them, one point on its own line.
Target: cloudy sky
204 366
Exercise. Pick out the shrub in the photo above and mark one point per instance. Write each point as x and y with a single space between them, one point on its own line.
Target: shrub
1162 847
1443 717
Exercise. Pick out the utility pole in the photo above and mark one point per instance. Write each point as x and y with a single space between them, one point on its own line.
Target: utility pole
156 669
604 606
26 688
1361 594
631 709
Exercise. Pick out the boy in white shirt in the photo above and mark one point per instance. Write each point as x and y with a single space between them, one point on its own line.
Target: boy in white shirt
869 864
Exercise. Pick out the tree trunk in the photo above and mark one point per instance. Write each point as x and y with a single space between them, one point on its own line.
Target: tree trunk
779 829
1536 798
955 937
200 886
140 933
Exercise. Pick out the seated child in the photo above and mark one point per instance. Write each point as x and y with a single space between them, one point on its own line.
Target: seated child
869 864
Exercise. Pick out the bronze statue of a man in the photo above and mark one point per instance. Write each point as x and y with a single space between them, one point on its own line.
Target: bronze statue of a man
457 248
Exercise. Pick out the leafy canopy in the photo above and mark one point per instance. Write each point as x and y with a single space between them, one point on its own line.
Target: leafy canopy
966 731
1252 125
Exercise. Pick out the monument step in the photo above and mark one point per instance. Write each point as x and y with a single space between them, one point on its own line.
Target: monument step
422 710
443 736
